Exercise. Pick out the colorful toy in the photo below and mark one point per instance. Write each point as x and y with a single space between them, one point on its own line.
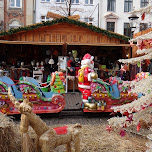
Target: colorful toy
100 96
44 102
47 138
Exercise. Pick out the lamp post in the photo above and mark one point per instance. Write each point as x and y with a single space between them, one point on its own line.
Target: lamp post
132 22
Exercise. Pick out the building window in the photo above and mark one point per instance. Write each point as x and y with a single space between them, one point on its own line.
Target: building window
144 3
111 5
128 5
59 1
111 26
44 18
88 20
143 26
15 3
89 2
75 1
14 24
45 0
127 30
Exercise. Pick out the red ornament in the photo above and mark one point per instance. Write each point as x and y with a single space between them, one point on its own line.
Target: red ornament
138 127
143 16
108 128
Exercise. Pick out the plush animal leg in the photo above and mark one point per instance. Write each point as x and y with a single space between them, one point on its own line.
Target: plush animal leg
37 147
77 142
46 146
25 142
68 147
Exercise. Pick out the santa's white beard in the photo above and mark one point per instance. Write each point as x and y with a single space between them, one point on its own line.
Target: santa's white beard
91 66
87 62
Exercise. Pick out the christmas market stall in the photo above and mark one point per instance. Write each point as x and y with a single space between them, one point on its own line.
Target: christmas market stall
34 50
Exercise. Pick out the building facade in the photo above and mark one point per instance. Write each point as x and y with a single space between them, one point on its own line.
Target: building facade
18 13
88 10
114 15
1 15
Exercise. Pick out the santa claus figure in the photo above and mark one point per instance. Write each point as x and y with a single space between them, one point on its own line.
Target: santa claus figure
85 76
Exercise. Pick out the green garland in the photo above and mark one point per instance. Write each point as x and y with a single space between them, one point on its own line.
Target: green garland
66 20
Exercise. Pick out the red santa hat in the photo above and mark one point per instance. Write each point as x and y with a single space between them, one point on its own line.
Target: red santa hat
87 59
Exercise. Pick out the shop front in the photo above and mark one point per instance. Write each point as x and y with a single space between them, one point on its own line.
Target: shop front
33 46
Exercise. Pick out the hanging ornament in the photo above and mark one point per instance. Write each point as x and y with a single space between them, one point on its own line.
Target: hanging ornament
143 16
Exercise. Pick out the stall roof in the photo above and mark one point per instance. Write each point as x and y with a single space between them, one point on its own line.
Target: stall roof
63 20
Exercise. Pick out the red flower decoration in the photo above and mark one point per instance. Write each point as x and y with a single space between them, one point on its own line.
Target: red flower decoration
108 128
140 44
129 118
122 133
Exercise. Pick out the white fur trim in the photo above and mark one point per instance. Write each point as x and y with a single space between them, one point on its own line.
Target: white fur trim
86 62
89 77
85 101
83 86
92 57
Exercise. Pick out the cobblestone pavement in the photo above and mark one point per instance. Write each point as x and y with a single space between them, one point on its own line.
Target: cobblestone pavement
73 100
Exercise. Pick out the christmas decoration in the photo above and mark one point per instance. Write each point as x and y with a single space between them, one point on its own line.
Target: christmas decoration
143 16
108 128
45 134
58 81
66 20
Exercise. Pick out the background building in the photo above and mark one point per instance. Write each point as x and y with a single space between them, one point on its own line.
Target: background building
1 15
18 13
87 9
114 15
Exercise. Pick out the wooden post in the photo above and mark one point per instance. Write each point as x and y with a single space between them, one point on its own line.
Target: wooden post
64 49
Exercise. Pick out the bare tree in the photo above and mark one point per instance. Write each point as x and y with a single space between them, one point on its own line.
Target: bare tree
68 6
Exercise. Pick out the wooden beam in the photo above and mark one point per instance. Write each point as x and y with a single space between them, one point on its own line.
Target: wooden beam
30 42
54 15
97 44
75 17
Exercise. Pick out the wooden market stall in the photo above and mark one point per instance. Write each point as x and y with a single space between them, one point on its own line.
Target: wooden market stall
61 36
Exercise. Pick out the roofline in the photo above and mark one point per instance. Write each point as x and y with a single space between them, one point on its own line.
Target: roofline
65 20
